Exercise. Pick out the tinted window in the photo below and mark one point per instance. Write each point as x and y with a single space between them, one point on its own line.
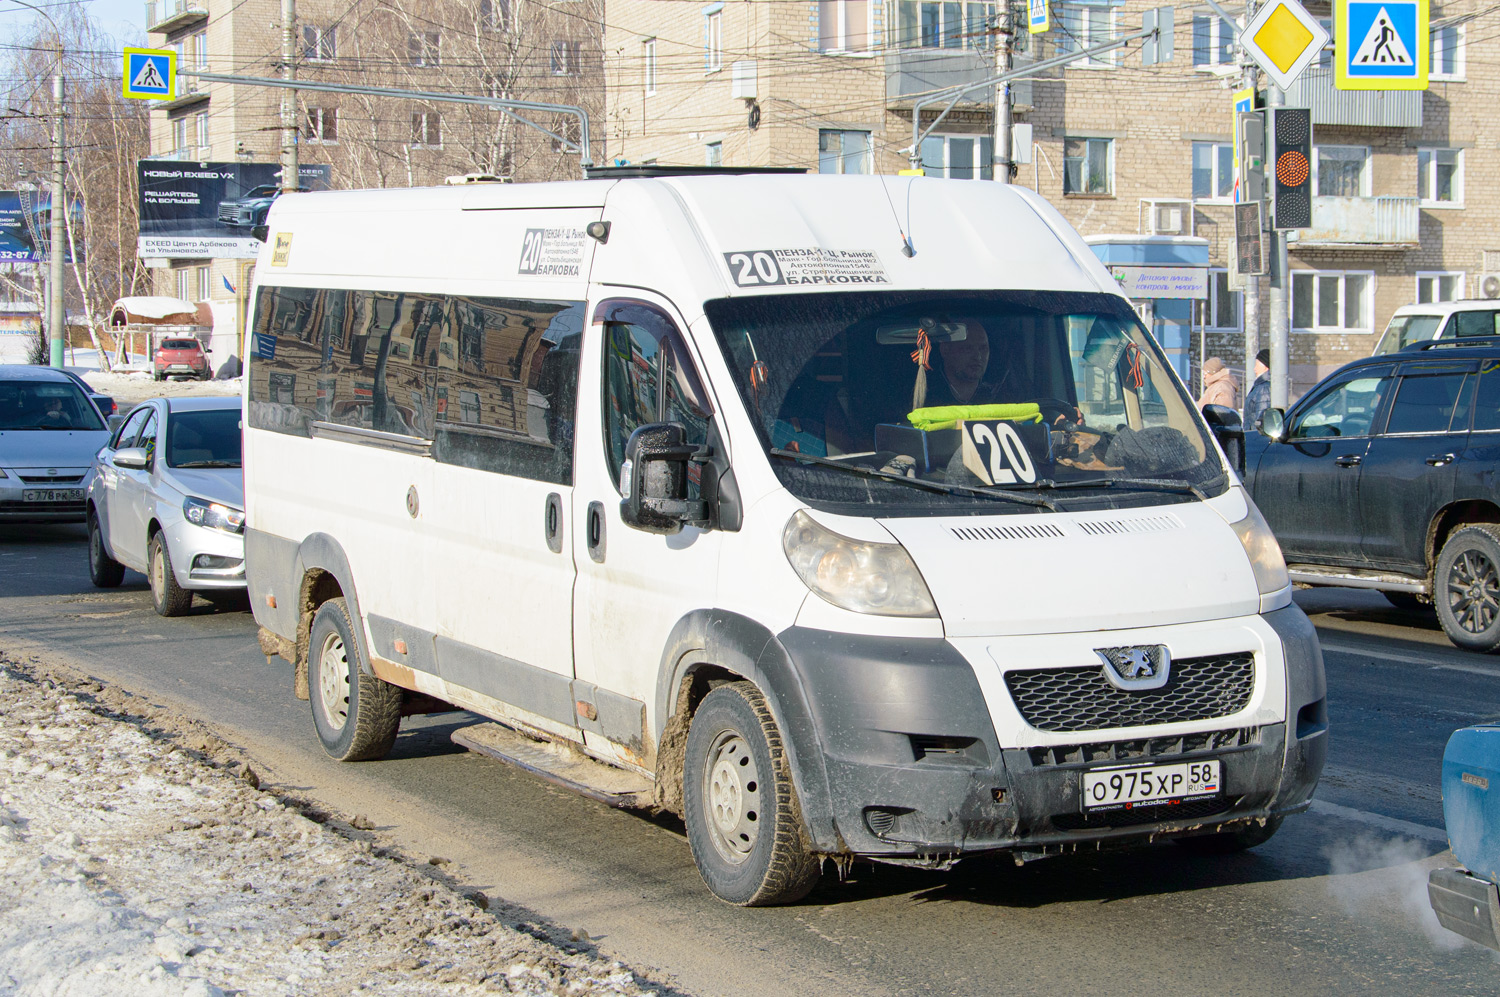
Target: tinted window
1487 397
130 427
179 344
43 405
204 439
1425 404
147 439
1346 409
1473 324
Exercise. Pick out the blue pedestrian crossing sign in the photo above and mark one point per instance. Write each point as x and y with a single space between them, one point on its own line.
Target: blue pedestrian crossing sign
1380 44
1036 16
150 74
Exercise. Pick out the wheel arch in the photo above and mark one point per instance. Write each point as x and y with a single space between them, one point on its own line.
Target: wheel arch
323 573
1451 517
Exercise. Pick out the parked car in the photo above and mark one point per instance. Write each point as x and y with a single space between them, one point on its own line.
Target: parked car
1466 900
49 433
104 403
1439 320
167 499
181 356
250 209
1383 477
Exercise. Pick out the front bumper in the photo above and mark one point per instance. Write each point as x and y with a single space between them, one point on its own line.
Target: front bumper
205 559
900 760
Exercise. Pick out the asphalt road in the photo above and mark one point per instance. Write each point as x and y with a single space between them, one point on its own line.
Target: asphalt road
1334 904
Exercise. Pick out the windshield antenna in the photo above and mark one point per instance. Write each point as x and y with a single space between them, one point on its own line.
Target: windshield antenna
907 249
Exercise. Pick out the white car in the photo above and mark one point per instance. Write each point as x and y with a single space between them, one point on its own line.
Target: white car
1439 320
49 433
167 499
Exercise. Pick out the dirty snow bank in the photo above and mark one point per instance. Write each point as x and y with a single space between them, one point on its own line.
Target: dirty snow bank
129 387
129 865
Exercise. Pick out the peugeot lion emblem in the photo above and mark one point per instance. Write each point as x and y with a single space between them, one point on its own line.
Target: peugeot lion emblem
1136 669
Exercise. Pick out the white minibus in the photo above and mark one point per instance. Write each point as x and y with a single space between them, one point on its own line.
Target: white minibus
846 517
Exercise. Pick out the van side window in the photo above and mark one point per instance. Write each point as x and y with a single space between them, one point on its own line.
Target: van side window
1474 324
648 377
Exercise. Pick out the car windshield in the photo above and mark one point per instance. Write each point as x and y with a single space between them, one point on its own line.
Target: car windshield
46 405
984 401
179 344
204 439
1405 330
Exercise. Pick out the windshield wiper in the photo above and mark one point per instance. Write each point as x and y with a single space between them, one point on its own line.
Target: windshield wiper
208 463
932 486
1146 484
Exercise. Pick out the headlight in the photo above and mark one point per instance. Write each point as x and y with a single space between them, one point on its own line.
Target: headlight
1264 554
875 578
213 515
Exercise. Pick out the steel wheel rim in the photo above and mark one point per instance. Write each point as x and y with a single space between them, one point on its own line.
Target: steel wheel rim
96 547
333 681
1474 591
731 795
159 574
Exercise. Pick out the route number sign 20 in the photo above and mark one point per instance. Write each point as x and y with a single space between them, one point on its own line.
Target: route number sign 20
995 453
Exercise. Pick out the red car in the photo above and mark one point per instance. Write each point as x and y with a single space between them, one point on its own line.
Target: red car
181 358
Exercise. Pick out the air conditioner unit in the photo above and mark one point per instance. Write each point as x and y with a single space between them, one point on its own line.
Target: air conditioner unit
742 80
1488 285
1168 217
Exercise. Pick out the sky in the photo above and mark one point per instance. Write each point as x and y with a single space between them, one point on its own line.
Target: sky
125 20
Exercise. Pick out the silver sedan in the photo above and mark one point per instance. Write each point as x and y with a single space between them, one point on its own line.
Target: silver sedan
168 499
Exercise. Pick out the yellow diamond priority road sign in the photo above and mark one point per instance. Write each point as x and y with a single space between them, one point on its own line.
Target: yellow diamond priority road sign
1283 38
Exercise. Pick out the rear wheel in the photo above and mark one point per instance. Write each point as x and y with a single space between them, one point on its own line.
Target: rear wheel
1466 587
356 715
1229 842
104 571
744 824
169 598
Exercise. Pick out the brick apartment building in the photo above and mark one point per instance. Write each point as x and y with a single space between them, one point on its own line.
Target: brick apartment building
537 50
1129 155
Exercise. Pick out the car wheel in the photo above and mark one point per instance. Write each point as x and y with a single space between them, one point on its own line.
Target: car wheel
1466 588
356 715
104 571
169 598
744 825
1407 601
1229 842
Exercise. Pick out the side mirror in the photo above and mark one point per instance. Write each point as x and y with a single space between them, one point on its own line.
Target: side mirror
132 458
1229 431
1272 423
654 478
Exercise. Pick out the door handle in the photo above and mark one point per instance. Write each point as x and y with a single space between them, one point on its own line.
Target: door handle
595 527
1441 459
1348 460
552 523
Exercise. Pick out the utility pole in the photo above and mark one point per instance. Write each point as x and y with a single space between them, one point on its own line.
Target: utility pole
1280 279
290 177
1251 293
57 320
1001 158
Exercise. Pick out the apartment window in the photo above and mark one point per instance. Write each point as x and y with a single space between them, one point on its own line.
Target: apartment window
197 50
923 24
1447 53
648 54
184 285
1213 171
427 129
1341 171
1088 166
1439 286
1084 26
844 25
1440 177
493 14
843 151
568 127
1224 306
202 282
318 43
714 154
1327 301
1213 41
423 48
180 135
713 38
200 131
959 157
566 57
321 125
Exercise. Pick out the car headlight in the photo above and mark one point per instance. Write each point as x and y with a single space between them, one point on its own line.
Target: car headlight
875 578
1264 554
213 515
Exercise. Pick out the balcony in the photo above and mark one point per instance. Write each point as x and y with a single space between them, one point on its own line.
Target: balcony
1373 108
1361 223
911 73
164 16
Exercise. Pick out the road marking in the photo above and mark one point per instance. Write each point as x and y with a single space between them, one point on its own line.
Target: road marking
1392 824
1405 659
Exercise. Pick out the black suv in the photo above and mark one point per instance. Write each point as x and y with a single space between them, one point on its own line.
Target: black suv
1386 475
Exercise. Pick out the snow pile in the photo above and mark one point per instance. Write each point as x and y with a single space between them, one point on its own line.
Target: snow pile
127 387
131 866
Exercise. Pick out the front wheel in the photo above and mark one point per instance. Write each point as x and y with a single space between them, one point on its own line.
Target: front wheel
104 571
1229 842
744 825
169 598
356 715
1466 588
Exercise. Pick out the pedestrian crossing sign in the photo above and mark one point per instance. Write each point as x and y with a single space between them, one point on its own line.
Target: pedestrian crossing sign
150 74
1381 44
1037 19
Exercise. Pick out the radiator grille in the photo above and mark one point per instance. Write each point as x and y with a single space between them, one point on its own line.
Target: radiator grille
1077 699
1144 749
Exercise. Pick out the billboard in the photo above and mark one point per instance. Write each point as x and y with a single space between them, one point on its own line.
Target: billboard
207 210
26 219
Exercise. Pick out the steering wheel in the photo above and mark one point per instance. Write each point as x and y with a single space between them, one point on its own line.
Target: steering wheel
1055 409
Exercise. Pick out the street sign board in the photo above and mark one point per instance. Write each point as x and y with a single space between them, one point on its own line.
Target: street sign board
1037 19
1162 282
1249 239
1382 44
1283 39
150 73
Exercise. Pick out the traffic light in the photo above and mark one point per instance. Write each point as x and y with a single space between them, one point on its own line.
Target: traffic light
1291 187
1251 155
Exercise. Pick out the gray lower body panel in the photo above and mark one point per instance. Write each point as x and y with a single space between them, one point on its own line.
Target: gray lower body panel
1466 905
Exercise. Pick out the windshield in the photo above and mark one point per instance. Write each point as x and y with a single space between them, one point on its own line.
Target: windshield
1405 330
46 405
204 439
1002 393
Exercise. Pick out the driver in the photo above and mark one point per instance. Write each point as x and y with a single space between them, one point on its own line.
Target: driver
963 377
55 415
